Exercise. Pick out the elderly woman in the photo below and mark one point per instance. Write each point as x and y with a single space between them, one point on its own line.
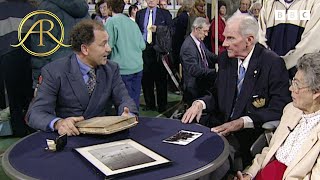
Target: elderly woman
255 10
294 149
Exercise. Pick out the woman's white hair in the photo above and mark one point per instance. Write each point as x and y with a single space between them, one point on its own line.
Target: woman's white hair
309 64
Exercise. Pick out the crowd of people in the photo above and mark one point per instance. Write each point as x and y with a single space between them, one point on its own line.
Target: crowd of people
253 70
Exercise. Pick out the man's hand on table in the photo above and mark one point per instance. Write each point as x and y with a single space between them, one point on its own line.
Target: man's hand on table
229 127
66 126
194 111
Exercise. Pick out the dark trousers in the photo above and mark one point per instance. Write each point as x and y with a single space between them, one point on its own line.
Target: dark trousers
16 72
154 72
133 85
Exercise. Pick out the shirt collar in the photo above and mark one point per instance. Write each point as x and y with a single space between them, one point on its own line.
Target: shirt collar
245 62
195 40
83 67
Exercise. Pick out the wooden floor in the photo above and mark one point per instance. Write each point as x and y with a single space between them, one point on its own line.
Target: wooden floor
173 101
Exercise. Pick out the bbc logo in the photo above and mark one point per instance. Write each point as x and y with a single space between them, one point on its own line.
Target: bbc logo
281 15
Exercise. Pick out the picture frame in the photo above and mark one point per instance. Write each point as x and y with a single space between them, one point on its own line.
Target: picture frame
119 157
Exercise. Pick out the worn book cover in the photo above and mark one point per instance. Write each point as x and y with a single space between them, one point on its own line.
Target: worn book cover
106 124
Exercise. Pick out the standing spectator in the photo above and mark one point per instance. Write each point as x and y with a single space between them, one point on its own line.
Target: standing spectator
163 4
127 44
102 12
255 9
290 38
222 7
198 10
132 12
70 13
180 25
15 63
244 7
148 19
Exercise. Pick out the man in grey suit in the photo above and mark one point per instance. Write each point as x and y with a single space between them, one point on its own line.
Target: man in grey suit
198 63
80 86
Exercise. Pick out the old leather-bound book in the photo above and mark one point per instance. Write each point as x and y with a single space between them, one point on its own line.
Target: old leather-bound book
105 124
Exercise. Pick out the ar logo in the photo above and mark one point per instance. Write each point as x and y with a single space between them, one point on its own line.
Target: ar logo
41 32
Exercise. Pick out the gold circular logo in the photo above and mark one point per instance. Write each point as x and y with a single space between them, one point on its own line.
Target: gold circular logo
40 22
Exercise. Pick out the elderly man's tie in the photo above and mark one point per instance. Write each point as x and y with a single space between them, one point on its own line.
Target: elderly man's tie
91 81
242 72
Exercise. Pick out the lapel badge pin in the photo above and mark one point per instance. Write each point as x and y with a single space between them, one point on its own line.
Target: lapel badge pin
255 72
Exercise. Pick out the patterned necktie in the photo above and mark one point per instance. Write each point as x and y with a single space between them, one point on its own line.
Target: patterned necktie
149 32
203 54
242 72
91 81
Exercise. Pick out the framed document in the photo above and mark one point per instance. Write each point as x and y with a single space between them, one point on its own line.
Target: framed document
121 156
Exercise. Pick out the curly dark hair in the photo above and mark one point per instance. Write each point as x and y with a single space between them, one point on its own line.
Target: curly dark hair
116 6
83 33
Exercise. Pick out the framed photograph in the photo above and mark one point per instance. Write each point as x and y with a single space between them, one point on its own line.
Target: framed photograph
182 137
123 156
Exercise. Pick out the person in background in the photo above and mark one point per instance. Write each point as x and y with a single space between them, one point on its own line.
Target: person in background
198 63
70 13
15 65
294 150
290 38
255 10
127 44
154 72
251 88
132 12
180 26
221 25
197 10
244 6
102 12
80 86
163 4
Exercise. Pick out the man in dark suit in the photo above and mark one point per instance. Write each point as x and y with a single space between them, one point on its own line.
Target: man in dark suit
80 86
251 88
148 20
197 62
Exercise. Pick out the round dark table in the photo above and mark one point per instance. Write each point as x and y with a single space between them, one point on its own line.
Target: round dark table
28 159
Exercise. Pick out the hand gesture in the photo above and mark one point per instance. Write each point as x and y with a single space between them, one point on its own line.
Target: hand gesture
66 126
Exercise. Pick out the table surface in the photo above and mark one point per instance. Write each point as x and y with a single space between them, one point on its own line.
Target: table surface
28 159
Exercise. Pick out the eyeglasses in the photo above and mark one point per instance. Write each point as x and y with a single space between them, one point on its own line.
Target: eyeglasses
295 86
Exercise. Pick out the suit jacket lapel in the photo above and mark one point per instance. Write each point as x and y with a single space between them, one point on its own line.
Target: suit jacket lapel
252 74
77 83
231 85
100 87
